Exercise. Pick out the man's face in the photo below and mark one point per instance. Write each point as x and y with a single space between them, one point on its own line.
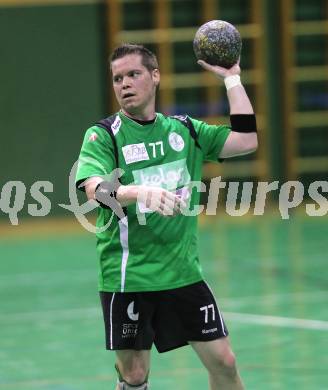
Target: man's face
134 84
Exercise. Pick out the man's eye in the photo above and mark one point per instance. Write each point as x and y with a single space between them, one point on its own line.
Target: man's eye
134 74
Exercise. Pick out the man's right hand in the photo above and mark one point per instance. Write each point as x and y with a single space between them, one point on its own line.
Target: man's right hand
159 200
156 199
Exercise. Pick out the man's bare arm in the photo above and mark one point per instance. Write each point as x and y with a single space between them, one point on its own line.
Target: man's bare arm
155 198
237 143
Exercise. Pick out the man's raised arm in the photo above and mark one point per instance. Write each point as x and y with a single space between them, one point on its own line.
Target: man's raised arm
243 137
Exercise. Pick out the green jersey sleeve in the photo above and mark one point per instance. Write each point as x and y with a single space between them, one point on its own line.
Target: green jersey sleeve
211 138
97 156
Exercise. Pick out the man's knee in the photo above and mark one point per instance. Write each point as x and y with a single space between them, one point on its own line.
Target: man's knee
228 359
136 375
224 362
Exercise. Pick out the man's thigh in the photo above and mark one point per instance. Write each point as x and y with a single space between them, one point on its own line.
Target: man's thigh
213 352
130 359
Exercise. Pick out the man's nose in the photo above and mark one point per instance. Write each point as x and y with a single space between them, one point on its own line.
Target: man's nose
126 83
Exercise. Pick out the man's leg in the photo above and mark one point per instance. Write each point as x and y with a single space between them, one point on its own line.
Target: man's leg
220 363
133 367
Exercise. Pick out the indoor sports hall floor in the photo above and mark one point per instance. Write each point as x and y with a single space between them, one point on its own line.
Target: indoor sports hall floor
269 275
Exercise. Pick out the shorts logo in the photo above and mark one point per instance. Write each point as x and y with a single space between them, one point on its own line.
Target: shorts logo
116 125
176 141
133 316
206 331
129 330
135 152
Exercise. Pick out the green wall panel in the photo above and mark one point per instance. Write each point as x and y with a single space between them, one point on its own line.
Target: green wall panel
53 87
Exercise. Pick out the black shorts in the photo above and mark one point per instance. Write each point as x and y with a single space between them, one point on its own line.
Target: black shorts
169 318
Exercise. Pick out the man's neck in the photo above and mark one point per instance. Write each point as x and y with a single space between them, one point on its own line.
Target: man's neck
143 117
143 123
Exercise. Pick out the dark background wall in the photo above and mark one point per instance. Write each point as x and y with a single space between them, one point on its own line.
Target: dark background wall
53 81
52 87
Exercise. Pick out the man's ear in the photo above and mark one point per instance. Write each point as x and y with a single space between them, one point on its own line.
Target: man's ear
156 76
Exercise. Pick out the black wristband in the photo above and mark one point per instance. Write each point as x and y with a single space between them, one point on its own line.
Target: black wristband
243 123
104 193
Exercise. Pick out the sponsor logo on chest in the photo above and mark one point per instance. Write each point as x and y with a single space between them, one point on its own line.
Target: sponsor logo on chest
169 176
162 178
135 152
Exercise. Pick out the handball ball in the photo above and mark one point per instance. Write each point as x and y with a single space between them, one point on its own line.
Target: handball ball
218 43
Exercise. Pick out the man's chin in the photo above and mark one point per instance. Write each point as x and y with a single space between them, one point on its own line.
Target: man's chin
131 108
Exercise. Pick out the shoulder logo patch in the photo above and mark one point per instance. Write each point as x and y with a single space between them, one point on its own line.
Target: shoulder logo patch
180 117
135 152
93 136
116 125
176 141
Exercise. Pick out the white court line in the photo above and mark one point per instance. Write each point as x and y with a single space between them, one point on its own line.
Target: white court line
52 315
285 322
303 297
95 312
57 277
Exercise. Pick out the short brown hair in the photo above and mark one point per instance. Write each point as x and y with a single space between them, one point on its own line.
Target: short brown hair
148 58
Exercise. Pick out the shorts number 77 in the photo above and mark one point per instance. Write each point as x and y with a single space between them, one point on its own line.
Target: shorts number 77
206 310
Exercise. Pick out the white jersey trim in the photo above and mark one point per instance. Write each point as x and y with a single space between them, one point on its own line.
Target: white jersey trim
220 316
116 125
111 320
124 238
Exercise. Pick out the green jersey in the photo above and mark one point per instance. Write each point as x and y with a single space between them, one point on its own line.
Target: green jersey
146 251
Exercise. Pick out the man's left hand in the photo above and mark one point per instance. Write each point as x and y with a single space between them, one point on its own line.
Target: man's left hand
219 71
